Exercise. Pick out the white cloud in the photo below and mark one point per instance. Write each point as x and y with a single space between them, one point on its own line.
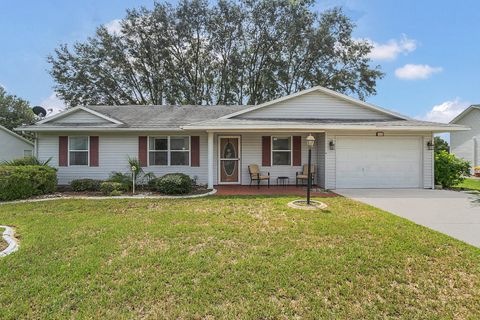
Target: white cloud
392 48
416 71
445 111
53 104
114 26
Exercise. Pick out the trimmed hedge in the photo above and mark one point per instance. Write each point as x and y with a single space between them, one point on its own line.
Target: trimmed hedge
85 185
21 182
172 183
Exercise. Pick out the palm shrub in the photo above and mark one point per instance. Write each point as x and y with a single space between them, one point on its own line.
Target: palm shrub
141 177
450 170
27 161
125 179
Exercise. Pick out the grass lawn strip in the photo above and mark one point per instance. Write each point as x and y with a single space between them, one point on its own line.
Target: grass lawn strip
470 184
231 258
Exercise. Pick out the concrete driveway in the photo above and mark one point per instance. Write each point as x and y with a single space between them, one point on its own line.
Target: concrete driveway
453 213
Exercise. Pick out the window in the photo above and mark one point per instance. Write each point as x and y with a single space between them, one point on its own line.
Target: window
179 151
169 151
158 151
78 151
281 151
27 153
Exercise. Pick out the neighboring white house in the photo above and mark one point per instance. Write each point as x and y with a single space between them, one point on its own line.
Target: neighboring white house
466 144
13 146
357 145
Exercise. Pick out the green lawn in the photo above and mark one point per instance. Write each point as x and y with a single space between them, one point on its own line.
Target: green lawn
472 184
230 258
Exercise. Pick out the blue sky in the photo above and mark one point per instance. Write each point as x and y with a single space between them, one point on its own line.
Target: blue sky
430 50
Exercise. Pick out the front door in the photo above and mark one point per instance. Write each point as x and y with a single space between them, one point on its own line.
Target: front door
229 160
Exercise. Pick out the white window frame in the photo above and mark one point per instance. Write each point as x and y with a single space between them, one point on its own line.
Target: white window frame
88 152
272 151
169 151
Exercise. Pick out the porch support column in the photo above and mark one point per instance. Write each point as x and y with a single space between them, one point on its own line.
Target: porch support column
210 160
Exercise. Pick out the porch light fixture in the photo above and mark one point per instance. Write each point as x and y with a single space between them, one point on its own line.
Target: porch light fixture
380 134
331 144
310 143
430 145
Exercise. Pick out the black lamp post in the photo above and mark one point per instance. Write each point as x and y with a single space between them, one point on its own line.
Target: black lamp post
310 143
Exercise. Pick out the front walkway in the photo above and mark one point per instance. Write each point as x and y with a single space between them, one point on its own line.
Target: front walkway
235 190
456 214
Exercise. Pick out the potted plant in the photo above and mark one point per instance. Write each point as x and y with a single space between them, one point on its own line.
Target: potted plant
476 171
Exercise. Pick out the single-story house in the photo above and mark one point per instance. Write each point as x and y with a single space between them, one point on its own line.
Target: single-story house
358 145
13 146
466 144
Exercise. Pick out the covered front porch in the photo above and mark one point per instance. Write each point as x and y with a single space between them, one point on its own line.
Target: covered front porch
276 154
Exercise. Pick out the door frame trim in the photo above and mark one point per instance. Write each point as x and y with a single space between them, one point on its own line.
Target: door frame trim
239 182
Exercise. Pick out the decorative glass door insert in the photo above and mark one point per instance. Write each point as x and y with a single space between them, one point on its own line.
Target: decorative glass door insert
229 159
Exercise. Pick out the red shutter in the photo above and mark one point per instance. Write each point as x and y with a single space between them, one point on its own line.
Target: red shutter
297 150
94 151
266 151
63 151
195 151
142 151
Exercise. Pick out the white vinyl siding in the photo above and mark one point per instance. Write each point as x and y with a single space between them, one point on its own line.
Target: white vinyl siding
423 156
114 150
315 105
80 116
12 147
466 144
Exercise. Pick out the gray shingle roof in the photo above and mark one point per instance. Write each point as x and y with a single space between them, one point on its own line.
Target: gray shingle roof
326 123
164 116
190 117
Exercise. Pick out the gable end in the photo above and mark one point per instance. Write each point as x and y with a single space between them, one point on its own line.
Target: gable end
316 105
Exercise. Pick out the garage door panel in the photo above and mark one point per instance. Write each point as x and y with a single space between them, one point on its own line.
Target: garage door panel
378 162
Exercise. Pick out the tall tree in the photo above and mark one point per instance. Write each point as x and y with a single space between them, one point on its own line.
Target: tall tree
14 111
228 52
440 145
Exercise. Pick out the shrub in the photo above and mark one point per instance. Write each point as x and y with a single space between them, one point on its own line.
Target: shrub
112 188
450 170
21 182
27 161
85 185
172 183
123 178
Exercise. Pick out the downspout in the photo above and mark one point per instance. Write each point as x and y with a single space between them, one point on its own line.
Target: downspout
35 145
475 153
433 163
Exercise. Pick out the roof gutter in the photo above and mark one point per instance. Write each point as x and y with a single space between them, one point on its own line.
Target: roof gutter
330 127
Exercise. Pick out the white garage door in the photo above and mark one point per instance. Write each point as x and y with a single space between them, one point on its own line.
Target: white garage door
378 162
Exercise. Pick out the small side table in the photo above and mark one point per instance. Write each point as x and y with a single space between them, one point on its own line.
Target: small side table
283 181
